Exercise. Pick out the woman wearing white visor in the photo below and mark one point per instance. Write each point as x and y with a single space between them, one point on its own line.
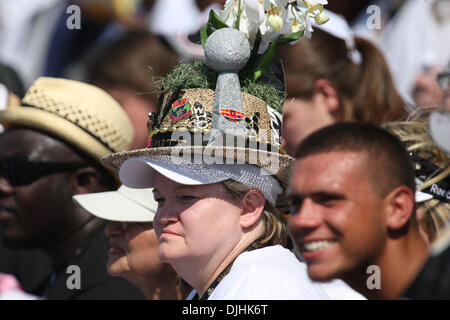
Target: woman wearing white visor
219 172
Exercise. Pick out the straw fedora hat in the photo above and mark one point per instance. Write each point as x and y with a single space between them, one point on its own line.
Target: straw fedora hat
81 114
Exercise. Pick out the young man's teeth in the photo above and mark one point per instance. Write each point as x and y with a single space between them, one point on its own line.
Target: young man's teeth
317 245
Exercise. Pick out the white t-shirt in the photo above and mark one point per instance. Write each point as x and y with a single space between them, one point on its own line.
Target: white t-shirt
339 290
274 273
269 273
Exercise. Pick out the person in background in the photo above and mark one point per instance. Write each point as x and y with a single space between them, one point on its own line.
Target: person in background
133 253
335 77
16 261
126 68
183 36
432 89
416 50
49 152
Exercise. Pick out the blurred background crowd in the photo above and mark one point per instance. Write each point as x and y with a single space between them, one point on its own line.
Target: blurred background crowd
35 39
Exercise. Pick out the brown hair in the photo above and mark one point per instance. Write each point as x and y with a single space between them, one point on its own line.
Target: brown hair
366 91
131 62
385 151
275 231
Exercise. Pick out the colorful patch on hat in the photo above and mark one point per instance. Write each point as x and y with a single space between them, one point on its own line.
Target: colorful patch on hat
180 109
232 115
202 119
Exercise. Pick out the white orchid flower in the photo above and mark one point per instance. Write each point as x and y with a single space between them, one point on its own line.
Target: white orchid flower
296 20
321 18
272 18
314 4
249 27
275 19
315 7
230 12
255 10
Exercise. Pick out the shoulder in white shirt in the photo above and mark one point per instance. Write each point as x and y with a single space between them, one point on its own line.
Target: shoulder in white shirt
269 273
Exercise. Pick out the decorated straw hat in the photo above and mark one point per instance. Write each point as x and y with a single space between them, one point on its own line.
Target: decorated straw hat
217 118
81 114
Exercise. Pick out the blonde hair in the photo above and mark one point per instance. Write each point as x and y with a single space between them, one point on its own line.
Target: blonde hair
275 231
415 134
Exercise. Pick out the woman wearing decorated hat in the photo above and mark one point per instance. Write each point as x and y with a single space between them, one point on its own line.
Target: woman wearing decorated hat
216 164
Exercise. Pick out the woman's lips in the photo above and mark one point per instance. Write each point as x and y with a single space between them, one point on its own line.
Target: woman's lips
115 249
169 232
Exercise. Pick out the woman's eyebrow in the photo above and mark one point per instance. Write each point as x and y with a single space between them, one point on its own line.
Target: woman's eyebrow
156 190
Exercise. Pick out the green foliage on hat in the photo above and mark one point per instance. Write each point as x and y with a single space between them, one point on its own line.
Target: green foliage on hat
265 92
199 75
188 76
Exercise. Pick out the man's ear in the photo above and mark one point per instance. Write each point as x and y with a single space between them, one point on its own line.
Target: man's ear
86 180
253 206
399 206
325 94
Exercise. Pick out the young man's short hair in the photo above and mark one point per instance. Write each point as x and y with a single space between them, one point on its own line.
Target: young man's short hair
389 164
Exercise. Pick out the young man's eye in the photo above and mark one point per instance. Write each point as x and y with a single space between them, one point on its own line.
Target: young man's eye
328 200
294 206
188 198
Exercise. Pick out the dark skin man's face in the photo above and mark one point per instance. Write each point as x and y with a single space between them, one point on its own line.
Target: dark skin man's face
34 214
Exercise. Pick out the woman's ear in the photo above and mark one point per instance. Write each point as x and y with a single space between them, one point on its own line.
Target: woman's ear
253 207
325 94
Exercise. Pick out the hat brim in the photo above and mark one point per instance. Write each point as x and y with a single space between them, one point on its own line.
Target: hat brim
280 168
139 173
113 206
56 125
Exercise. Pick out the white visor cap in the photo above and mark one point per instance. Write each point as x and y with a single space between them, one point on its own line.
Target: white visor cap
126 204
140 173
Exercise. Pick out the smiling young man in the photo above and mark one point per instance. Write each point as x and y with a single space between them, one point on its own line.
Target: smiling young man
352 206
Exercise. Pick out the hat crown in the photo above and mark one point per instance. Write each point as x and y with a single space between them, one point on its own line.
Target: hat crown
190 112
223 115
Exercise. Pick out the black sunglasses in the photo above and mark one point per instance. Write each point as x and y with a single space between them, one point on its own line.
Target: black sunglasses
21 171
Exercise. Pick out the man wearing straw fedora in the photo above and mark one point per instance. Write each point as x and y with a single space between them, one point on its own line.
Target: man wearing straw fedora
50 151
